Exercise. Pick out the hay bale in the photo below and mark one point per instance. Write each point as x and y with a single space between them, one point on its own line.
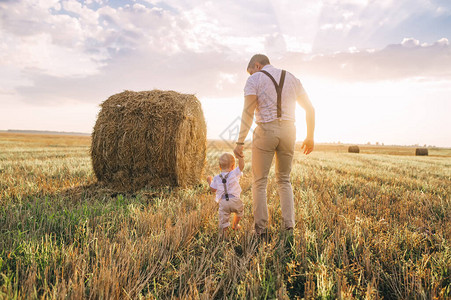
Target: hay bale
149 138
353 149
421 151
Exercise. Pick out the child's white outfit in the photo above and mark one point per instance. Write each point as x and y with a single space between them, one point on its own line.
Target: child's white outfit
228 191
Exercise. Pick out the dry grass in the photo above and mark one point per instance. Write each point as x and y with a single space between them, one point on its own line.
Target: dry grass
369 226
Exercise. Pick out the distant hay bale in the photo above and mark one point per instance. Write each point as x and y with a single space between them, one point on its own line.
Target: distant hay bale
149 138
421 151
353 149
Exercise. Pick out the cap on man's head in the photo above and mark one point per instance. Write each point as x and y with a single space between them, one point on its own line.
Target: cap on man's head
260 58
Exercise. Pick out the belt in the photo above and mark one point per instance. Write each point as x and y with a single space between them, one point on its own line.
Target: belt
277 121
230 196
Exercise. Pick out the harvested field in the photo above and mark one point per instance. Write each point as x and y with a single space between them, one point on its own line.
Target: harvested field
368 226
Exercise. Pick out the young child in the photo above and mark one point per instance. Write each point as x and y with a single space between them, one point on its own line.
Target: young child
227 188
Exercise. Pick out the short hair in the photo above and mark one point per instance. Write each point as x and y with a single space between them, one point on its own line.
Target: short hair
260 58
225 160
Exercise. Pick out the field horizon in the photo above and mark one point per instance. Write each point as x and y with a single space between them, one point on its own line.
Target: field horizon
371 225
324 145
321 146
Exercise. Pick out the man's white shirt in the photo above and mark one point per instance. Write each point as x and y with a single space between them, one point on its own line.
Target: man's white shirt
261 85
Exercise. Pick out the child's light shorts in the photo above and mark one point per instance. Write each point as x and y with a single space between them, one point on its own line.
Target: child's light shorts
234 205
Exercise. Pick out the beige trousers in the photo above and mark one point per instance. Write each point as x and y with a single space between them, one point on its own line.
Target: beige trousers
277 137
234 205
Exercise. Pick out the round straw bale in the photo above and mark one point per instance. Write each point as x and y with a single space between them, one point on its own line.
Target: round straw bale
353 149
421 151
149 138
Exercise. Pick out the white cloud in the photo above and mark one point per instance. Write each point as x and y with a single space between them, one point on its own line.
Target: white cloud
37 53
353 50
226 79
368 24
409 59
443 42
295 44
74 39
35 40
275 45
410 43
148 40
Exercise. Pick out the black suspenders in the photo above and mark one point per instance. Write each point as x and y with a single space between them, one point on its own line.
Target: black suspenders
224 180
278 90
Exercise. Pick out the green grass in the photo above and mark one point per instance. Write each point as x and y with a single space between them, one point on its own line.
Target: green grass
368 226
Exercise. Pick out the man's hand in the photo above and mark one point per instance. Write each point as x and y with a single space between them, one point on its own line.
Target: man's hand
238 151
307 145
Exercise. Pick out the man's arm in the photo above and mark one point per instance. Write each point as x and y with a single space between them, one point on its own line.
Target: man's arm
305 103
247 117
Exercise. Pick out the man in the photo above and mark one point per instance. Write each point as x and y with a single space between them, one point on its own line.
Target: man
272 94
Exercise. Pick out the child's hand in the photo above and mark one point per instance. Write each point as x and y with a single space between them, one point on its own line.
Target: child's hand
209 179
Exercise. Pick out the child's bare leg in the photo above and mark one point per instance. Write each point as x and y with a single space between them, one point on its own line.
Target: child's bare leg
235 222
225 232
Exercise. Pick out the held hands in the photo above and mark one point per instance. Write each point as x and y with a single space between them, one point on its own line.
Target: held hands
238 151
308 145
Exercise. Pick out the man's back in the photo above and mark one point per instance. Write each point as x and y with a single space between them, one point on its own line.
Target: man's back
262 86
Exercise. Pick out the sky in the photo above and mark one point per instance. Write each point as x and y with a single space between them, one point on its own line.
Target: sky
375 70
